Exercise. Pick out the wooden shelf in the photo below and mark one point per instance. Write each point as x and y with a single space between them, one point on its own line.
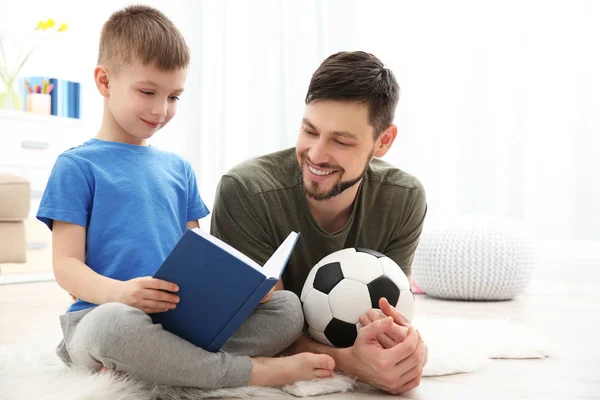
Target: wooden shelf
37 118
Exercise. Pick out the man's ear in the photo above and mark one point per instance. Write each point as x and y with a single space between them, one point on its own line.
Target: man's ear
101 78
385 141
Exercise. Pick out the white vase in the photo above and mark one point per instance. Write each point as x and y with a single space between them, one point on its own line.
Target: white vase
9 97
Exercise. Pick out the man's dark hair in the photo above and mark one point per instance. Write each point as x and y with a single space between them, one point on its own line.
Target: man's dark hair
357 76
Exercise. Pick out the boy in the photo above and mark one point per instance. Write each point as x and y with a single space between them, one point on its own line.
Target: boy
117 206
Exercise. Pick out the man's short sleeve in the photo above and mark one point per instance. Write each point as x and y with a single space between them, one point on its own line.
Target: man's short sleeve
235 222
68 194
403 245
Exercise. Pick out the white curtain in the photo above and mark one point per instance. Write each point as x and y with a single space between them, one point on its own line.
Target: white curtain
499 112
251 65
499 99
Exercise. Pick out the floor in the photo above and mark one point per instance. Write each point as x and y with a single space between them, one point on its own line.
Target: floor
563 302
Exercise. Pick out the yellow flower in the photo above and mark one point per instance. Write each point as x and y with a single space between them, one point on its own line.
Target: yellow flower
50 23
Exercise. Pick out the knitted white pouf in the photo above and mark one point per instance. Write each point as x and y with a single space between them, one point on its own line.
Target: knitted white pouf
474 258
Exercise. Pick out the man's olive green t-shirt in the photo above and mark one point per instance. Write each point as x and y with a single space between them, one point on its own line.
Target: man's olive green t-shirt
260 201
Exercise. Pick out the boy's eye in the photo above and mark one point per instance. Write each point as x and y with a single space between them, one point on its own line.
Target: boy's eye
309 132
342 143
174 98
146 92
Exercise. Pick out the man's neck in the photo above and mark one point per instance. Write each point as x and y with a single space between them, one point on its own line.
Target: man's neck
333 214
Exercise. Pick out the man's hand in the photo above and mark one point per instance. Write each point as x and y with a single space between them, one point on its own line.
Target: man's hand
386 309
390 369
149 294
411 366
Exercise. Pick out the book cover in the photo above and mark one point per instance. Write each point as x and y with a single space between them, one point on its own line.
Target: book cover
54 96
219 287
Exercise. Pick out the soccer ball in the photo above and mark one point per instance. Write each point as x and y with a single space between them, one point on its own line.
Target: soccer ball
347 284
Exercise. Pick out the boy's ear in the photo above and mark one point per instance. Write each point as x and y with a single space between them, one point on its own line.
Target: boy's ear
101 79
385 141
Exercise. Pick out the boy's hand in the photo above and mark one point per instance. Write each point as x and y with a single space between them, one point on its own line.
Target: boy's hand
148 294
268 296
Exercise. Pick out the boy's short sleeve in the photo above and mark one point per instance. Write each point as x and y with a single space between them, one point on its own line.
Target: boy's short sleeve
68 194
196 207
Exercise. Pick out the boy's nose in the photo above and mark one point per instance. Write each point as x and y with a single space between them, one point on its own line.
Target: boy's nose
160 109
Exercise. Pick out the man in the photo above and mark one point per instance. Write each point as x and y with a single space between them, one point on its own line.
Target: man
333 189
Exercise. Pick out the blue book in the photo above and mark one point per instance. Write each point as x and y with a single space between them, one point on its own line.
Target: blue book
219 287
54 97
77 100
64 98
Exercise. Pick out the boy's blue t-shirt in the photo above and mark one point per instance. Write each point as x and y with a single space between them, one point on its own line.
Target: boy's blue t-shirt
134 201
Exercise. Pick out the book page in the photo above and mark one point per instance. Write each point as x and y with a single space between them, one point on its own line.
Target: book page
275 265
231 250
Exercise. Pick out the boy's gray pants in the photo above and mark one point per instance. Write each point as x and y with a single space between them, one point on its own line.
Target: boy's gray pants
124 338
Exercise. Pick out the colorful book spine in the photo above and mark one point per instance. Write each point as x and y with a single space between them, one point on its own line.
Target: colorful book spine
65 95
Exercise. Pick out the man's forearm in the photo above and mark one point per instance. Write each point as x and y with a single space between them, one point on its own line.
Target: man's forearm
306 344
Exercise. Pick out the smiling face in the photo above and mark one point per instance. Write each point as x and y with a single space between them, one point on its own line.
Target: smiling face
335 145
140 98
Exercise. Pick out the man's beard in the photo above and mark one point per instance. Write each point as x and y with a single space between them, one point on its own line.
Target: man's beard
337 188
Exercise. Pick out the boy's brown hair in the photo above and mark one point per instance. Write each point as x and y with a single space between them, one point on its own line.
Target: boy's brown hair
142 34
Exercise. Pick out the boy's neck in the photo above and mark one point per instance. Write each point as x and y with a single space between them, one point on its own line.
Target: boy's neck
111 131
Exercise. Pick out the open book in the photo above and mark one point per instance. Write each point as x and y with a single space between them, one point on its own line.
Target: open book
219 287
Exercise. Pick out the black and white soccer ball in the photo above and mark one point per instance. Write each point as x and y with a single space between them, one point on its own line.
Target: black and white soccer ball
346 284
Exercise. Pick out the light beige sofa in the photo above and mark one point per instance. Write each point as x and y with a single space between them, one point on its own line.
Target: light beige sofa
14 209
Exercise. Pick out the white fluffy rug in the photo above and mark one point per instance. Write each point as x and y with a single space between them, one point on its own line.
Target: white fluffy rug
33 371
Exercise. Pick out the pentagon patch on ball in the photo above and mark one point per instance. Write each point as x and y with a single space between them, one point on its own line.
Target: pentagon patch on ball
345 285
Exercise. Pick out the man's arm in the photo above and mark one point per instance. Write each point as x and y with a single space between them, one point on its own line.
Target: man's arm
390 369
390 356
405 238
235 221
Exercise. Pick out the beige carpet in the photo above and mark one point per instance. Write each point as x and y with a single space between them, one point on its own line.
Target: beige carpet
33 371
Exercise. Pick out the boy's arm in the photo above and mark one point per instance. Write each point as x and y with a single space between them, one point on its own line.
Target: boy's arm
192 224
70 271
73 275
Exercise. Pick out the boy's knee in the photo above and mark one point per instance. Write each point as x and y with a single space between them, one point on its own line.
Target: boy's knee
106 326
290 309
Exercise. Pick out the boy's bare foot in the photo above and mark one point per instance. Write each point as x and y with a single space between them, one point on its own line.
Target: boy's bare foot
276 372
107 370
